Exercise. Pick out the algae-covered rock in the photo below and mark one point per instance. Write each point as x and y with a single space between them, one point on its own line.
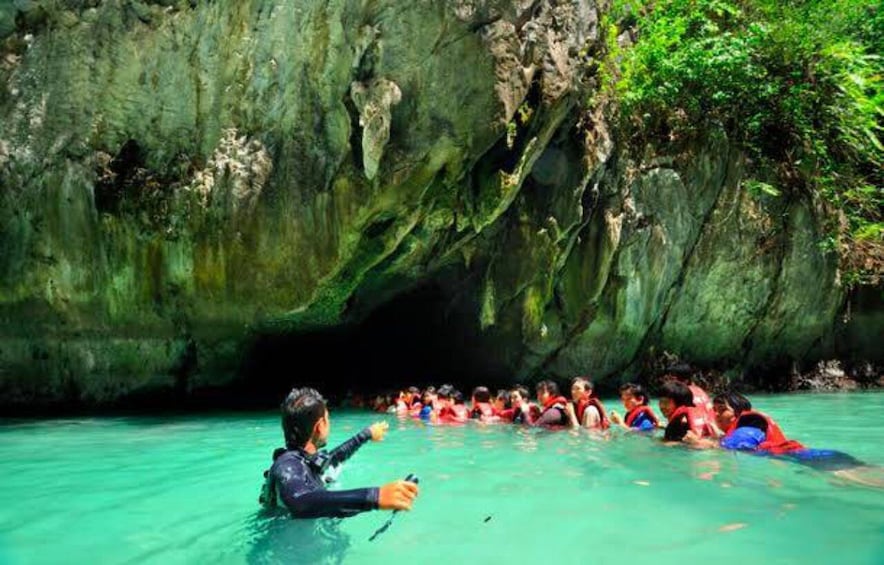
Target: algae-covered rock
177 176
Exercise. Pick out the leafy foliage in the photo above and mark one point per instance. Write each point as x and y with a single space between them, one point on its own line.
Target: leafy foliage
799 84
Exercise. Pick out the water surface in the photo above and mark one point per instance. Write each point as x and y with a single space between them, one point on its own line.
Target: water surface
184 490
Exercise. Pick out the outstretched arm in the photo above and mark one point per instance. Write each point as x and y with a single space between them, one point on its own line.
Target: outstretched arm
344 451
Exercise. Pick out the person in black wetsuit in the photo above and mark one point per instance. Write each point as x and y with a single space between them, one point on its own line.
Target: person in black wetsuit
295 480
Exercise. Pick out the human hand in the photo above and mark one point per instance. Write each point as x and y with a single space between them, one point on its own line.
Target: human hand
398 495
615 418
378 430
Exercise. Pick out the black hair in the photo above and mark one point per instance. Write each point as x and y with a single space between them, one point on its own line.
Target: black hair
523 392
681 371
482 394
413 390
457 396
587 384
430 389
735 400
301 409
445 391
503 395
548 386
678 392
635 390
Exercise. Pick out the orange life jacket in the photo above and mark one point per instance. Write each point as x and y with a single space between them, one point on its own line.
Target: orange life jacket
454 413
585 403
697 421
483 411
775 441
703 402
556 403
634 413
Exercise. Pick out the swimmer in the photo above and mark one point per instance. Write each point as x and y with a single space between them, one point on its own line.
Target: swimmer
501 401
553 411
677 405
586 410
753 431
683 374
522 410
639 415
482 407
450 410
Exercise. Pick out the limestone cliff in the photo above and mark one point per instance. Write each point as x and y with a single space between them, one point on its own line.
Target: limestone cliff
176 176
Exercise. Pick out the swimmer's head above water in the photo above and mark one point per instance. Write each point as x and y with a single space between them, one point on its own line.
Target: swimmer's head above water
674 394
633 395
727 407
305 419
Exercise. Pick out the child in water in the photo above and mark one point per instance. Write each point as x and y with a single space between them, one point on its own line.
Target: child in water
746 429
519 414
677 405
586 410
639 415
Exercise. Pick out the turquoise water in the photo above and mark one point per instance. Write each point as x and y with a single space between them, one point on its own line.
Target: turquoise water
184 490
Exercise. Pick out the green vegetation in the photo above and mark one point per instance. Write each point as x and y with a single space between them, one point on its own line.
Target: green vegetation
798 84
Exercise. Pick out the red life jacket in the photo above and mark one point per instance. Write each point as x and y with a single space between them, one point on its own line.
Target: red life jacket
507 415
697 421
775 441
703 402
585 403
513 413
634 413
454 413
483 411
556 403
415 410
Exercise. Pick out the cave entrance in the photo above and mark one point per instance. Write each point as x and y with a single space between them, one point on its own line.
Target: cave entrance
417 338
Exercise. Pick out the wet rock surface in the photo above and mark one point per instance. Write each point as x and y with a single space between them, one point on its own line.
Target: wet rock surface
179 177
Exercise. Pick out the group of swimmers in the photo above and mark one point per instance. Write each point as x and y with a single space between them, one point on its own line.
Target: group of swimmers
689 415
297 478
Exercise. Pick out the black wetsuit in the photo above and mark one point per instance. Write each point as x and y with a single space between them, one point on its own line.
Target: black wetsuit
296 479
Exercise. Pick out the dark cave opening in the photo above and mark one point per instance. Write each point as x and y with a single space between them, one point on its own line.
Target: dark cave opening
417 338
